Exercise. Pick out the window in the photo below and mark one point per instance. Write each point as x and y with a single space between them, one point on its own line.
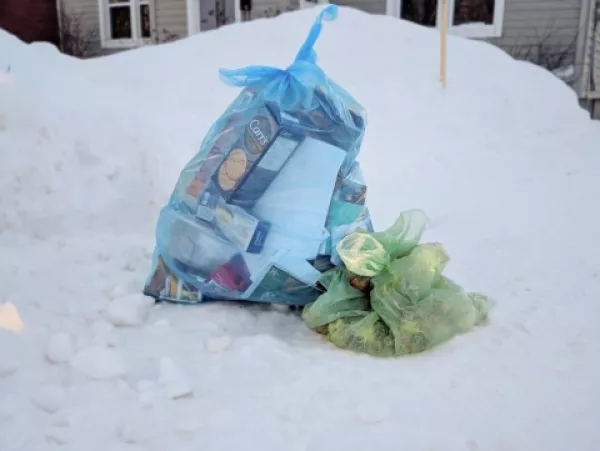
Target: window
125 23
476 18
468 18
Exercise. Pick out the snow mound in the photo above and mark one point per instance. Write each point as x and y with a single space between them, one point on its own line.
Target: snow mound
504 162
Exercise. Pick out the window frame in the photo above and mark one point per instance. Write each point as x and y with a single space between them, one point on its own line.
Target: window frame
476 30
136 39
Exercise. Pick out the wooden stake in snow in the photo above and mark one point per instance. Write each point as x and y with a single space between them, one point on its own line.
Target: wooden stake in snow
443 39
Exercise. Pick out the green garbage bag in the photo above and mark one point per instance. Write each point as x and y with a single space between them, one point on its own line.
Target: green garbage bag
391 298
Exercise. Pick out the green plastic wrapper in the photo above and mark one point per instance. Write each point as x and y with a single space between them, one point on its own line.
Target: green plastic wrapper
391 298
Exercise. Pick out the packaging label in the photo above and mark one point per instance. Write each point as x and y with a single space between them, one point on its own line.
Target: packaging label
241 228
233 275
166 286
278 154
196 245
257 242
278 285
232 169
267 169
206 207
353 192
258 135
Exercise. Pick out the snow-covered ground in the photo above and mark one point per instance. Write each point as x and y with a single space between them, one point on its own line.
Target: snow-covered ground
504 162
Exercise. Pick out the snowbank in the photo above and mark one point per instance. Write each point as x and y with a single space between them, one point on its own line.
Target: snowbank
504 162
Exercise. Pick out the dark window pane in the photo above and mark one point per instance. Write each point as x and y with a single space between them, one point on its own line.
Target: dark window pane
423 12
120 22
473 11
118 1
145 21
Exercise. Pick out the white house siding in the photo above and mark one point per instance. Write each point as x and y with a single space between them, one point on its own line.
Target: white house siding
266 8
595 64
596 52
526 23
86 14
538 28
531 28
171 18
369 6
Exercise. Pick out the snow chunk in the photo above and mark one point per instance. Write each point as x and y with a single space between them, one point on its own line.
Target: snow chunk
60 348
50 398
188 424
145 385
126 447
58 435
104 334
118 291
101 327
147 394
373 413
163 323
131 310
135 430
61 418
147 399
99 363
174 380
5 413
218 344
11 352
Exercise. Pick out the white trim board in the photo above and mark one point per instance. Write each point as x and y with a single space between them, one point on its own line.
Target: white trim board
194 15
305 4
192 8
475 30
136 40
238 11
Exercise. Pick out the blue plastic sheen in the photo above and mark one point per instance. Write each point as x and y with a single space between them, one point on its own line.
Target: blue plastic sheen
256 214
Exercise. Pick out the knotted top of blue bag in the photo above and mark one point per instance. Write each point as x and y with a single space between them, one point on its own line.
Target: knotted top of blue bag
289 87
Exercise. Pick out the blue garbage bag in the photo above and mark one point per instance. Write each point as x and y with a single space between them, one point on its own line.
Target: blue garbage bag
256 214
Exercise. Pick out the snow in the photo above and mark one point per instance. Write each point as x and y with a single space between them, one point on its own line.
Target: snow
130 310
174 380
218 344
504 161
566 73
136 430
50 398
99 363
11 347
60 348
58 435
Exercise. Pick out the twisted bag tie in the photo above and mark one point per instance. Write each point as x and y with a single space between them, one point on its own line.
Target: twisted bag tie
287 85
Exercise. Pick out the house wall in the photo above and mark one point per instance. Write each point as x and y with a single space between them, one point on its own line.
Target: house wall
269 8
544 30
588 56
82 17
551 24
369 6
596 57
30 20
169 16
595 66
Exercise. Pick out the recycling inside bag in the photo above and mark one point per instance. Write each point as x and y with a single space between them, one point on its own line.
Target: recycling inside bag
256 214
